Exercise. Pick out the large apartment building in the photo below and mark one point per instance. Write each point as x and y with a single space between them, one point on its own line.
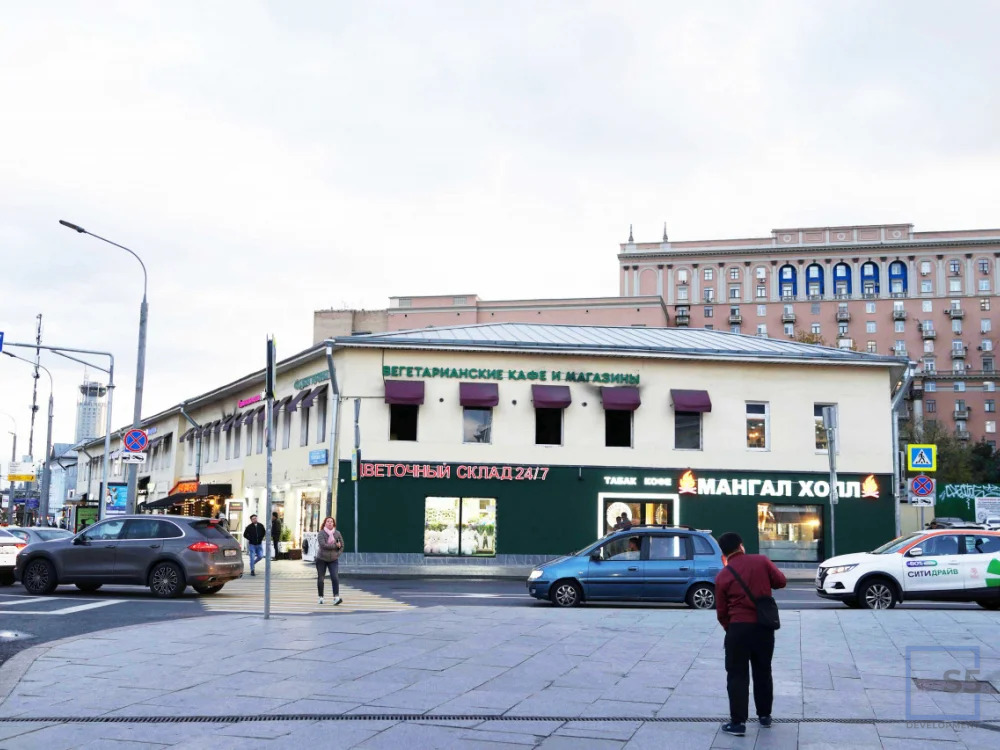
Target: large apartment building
883 289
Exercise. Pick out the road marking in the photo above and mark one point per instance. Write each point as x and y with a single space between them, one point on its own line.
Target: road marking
14 604
462 596
64 611
295 596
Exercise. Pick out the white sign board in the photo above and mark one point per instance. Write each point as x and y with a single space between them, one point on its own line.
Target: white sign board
987 507
133 458
21 471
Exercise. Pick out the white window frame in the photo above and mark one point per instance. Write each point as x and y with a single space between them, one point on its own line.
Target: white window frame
767 424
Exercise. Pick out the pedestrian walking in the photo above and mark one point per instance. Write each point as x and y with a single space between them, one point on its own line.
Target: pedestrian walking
275 532
748 614
330 543
255 533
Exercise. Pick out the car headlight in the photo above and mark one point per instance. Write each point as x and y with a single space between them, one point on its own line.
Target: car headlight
840 569
535 575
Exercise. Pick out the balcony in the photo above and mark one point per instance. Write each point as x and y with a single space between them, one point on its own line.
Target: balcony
917 388
961 413
899 314
958 353
928 333
843 316
962 434
735 318
682 319
898 352
955 313
788 317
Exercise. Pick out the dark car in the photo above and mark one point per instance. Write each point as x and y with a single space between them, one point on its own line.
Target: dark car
166 553
644 563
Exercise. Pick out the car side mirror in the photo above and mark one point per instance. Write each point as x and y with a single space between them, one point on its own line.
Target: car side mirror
80 540
595 556
915 552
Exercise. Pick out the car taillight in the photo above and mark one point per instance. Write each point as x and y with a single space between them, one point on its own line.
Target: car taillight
204 547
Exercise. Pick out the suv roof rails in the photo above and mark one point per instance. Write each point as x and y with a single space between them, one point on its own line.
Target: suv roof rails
656 526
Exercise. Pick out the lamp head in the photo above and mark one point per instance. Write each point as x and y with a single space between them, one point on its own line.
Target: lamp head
81 230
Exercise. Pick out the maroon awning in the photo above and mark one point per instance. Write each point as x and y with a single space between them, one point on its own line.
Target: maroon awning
249 416
551 396
307 402
294 403
620 398
478 394
404 392
691 400
228 424
282 403
260 413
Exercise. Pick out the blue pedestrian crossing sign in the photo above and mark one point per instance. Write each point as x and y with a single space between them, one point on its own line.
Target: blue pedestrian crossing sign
921 457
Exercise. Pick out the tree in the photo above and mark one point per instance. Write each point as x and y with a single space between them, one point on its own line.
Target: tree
808 337
958 462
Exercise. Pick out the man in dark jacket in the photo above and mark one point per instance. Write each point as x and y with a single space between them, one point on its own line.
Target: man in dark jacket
747 643
275 532
255 533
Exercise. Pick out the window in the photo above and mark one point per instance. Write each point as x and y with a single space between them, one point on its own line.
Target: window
984 285
815 328
985 325
927 305
814 279
617 428
789 329
900 347
954 285
237 436
402 422
929 346
687 430
959 404
959 386
987 364
190 452
250 438
682 276
930 368
984 304
991 426
682 294
958 347
286 430
956 325
870 283
709 312
757 426
709 294
821 439
987 345
930 387
229 444
790 533
814 308
930 405
897 277
304 426
734 274
926 287
841 329
672 547
984 265
900 326
872 347
477 425
958 367
869 308
925 267
261 429
761 291
734 292
150 528
460 301
954 267
734 328
460 526
548 426
789 309
206 447
106 530
762 330
760 272
761 311
989 405
989 386
709 274
788 281
870 326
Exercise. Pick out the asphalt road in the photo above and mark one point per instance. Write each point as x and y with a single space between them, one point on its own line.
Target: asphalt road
26 621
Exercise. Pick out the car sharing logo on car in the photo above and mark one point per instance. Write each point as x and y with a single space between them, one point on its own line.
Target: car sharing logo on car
921 563
927 573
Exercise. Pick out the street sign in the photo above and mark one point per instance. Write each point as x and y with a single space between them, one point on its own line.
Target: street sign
921 457
923 491
135 441
20 471
1 341
134 457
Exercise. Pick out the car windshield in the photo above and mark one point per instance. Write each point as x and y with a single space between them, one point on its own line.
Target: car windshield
895 545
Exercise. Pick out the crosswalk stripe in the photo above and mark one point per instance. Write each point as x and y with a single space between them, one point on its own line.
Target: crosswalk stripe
295 596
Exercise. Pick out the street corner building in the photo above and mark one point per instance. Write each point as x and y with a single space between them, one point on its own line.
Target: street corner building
512 443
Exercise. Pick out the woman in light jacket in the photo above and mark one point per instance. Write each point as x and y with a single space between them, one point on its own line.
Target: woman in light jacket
330 543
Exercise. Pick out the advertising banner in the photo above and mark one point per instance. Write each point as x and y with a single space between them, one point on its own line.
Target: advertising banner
116 499
987 507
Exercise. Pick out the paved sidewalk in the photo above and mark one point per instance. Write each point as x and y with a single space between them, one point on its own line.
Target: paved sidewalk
540 671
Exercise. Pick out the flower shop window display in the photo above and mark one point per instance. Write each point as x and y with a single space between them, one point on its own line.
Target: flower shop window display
460 526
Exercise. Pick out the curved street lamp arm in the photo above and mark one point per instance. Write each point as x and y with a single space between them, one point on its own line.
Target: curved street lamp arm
81 230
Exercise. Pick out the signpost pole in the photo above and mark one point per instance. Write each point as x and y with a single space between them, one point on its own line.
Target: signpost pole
830 423
269 385
356 467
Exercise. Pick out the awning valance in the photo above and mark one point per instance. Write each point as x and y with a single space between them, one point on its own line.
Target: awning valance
316 392
691 400
249 416
282 403
227 425
404 392
620 398
551 396
260 413
478 394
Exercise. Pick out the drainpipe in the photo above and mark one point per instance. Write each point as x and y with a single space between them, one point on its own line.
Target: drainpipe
197 443
333 470
897 467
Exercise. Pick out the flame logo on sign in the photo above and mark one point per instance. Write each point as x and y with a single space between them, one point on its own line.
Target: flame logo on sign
687 485
869 487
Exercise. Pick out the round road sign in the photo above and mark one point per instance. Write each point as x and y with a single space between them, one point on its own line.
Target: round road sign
135 441
922 486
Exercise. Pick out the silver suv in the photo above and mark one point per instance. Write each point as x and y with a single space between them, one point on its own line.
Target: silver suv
166 553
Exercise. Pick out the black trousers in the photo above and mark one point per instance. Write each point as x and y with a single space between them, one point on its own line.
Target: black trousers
333 566
749 645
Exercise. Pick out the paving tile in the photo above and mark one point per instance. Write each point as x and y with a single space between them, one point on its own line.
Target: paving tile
659 736
408 734
820 736
558 742
608 730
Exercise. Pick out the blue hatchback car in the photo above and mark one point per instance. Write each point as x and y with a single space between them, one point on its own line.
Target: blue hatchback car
642 564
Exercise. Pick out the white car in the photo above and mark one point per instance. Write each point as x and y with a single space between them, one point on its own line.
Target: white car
10 545
961 565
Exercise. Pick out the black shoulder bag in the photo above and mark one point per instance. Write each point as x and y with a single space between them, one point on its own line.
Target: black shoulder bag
767 608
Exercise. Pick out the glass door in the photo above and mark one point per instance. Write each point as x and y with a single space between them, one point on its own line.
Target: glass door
441 526
479 526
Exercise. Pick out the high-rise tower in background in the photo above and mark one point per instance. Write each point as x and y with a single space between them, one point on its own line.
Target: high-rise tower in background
90 410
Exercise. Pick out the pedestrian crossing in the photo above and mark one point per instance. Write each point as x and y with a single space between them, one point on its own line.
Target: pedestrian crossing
295 596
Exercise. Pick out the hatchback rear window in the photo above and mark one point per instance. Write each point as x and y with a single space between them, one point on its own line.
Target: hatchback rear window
702 546
211 530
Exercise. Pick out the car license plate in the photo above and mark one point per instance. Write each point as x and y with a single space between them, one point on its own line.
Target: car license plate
231 553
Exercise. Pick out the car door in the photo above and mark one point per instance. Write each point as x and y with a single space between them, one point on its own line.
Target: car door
981 564
91 555
669 567
615 570
141 542
937 570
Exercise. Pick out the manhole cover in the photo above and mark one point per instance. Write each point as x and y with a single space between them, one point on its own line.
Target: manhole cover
13 635
955 686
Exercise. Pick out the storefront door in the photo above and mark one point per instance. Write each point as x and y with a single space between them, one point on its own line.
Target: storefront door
638 509
460 526
790 533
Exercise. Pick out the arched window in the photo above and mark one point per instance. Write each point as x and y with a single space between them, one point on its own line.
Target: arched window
814 280
869 279
842 281
897 278
788 279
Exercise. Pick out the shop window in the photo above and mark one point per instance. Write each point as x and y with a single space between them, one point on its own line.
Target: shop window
460 526
403 423
321 418
304 426
637 512
477 425
310 511
236 437
617 428
821 439
548 426
789 533
757 426
687 430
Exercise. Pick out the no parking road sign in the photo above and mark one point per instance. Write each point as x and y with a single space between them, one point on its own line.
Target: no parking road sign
135 441
923 490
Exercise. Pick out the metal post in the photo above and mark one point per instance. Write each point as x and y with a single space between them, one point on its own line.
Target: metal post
357 468
333 470
830 422
43 499
140 372
107 443
269 386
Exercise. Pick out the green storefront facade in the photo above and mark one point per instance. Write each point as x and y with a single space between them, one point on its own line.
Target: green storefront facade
520 513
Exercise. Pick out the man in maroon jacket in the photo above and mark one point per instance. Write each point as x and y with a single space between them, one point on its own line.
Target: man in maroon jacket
747 643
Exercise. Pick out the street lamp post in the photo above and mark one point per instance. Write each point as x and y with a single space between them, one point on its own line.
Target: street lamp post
140 365
13 459
43 497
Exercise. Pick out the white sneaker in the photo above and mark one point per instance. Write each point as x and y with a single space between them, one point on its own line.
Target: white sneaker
337 600
320 600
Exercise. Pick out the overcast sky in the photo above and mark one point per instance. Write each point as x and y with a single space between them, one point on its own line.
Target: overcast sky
270 159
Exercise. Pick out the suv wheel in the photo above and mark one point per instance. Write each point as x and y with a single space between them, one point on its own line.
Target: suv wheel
566 594
701 596
39 577
166 581
877 593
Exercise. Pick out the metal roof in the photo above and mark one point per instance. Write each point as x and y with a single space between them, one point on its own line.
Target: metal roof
695 343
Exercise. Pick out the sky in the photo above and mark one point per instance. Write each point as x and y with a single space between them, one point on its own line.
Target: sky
268 159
